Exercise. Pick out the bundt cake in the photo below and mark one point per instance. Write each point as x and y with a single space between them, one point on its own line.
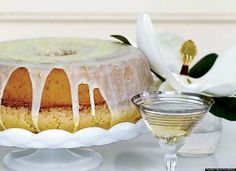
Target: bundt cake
69 83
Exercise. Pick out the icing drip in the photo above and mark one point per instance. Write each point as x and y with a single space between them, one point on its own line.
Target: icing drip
110 95
73 77
38 78
136 76
79 74
5 74
75 103
91 96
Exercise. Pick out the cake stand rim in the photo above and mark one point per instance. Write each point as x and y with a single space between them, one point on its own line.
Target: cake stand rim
56 139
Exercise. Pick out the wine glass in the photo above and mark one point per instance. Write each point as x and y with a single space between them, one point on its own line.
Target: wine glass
171 116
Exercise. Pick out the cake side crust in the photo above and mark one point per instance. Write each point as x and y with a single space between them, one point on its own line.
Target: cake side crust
18 91
61 118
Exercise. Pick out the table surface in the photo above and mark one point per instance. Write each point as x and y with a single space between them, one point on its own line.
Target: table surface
144 154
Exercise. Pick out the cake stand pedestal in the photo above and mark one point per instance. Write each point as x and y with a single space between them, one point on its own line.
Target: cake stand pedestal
53 159
60 150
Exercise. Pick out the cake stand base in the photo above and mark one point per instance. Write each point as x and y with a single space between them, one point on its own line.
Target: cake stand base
53 159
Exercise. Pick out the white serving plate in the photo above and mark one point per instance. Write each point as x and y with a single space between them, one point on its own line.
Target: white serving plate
56 139
52 149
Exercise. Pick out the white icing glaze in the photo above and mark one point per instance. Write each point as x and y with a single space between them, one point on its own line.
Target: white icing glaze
75 102
74 82
38 76
104 68
91 96
58 50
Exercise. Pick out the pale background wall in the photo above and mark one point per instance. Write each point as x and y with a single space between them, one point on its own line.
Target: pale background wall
211 23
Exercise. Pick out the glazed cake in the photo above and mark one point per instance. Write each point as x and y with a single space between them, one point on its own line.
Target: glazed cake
69 83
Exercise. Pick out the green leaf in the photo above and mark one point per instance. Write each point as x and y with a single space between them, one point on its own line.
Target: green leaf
158 76
203 66
122 39
224 107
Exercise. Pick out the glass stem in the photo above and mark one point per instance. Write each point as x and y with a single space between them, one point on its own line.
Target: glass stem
170 161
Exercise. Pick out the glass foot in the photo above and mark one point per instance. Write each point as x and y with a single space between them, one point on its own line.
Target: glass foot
53 159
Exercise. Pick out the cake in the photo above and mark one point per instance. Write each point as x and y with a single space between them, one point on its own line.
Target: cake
70 83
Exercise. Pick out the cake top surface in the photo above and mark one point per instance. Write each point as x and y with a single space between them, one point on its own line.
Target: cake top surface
62 50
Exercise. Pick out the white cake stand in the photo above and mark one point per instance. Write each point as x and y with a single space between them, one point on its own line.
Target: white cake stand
55 149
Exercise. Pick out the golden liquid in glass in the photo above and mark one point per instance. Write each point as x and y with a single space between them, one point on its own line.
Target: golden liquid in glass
172 122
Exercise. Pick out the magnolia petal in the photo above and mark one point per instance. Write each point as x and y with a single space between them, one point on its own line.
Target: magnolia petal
219 81
164 59
145 39
159 48
170 45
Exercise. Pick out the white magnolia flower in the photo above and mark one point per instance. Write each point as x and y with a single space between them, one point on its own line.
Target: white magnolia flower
162 51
